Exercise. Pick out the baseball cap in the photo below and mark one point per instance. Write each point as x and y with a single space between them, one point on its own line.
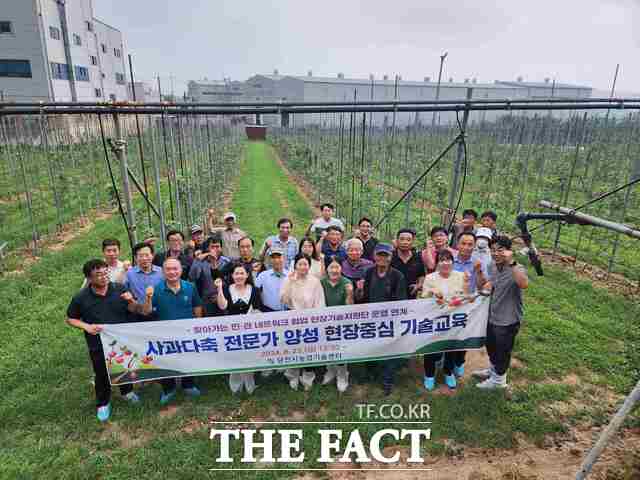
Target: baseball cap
229 215
484 232
276 251
195 228
383 248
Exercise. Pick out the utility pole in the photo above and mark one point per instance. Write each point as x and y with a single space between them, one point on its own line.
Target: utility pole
615 79
442 57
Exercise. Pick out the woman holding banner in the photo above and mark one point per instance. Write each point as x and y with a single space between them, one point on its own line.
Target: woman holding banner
445 285
338 290
301 290
239 298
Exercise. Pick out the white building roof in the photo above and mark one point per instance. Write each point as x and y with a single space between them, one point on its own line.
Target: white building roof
382 82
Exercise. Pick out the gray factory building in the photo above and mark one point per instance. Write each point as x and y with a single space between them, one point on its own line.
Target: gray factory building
310 88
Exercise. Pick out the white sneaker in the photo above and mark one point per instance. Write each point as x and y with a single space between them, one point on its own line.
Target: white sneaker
330 375
293 375
343 379
132 397
483 373
494 382
307 378
266 373
235 382
249 382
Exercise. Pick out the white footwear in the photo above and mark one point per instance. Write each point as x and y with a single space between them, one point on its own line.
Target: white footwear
307 378
330 375
343 378
249 382
293 375
266 373
132 397
483 373
494 382
235 382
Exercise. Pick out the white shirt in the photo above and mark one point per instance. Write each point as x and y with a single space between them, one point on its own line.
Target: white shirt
320 225
452 286
235 294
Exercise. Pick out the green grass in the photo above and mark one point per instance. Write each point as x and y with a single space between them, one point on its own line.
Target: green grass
47 407
264 194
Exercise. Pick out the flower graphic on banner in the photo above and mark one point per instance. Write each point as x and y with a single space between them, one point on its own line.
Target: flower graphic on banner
455 301
121 361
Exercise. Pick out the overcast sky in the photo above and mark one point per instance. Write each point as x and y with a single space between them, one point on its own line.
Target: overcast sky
575 41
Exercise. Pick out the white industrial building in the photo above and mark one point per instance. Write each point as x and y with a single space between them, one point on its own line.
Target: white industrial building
310 88
143 92
56 50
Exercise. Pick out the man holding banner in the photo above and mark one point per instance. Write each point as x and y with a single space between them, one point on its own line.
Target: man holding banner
101 302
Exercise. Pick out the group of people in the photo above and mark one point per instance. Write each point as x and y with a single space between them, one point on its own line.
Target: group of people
221 274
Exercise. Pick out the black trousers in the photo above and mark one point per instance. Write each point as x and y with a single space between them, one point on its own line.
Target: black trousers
169 384
429 363
458 357
500 342
102 385
388 367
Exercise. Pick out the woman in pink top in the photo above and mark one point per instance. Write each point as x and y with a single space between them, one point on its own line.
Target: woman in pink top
301 290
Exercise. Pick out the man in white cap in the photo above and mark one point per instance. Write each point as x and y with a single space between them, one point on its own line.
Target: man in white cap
194 246
230 234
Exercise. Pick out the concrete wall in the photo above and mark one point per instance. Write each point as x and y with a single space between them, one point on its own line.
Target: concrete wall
32 40
109 63
25 43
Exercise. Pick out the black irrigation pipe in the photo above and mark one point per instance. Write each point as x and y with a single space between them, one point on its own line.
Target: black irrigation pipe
318 104
464 174
347 109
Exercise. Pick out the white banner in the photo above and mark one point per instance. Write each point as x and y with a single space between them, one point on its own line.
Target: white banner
137 352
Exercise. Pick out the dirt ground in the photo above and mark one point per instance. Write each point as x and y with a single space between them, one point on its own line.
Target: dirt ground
56 241
523 463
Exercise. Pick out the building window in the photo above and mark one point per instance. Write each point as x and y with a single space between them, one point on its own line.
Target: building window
59 71
6 27
120 78
103 47
76 39
82 73
54 32
89 26
117 52
94 59
15 68
98 93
